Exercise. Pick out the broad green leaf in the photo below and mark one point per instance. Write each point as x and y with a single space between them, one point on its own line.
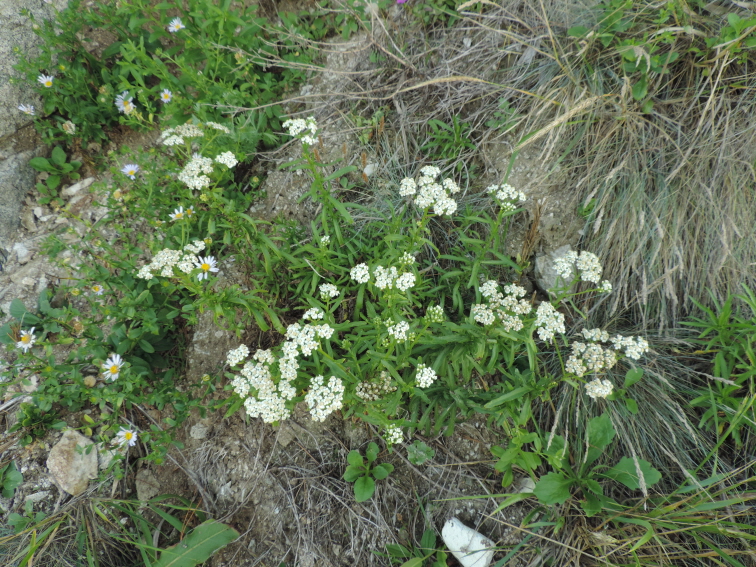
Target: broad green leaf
58 156
600 434
197 547
355 459
372 452
12 479
554 488
18 311
380 471
626 473
414 562
41 164
364 488
633 375
353 473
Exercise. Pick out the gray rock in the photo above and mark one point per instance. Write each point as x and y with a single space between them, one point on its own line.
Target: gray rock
147 485
38 496
72 190
72 469
16 178
545 274
22 252
199 431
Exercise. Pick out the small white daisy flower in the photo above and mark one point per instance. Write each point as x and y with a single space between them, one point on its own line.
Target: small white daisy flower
175 25
69 127
207 264
126 437
27 109
130 170
124 103
97 289
45 80
178 214
166 96
189 212
112 366
26 340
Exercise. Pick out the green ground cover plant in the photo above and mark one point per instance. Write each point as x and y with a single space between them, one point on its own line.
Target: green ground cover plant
409 315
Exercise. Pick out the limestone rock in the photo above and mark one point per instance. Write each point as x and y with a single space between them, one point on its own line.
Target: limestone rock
545 273
147 485
71 469
470 548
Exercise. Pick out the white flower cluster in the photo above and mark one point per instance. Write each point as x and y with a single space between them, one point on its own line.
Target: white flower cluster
593 358
399 331
635 347
267 399
506 196
235 356
305 129
599 388
328 291
590 357
372 391
549 321
588 266
227 158
175 136
167 259
435 314
193 173
425 376
393 434
313 313
508 307
430 193
216 126
385 278
407 259
324 399
360 273
195 247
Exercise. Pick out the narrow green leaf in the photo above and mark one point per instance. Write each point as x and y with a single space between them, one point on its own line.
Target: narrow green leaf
198 546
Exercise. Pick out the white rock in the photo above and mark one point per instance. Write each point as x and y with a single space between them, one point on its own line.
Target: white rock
72 469
370 169
37 211
38 496
22 253
76 187
199 431
470 548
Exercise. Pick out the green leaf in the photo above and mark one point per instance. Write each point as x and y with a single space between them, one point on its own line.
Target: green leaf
514 394
640 88
577 31
591 505
12 479
364 488
414 562
372 452
353 473
633 375
382 471
18 311
632 406
53 182
355 459
554 488
58 156
146 347
198 546
600 434
626 473
41 164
